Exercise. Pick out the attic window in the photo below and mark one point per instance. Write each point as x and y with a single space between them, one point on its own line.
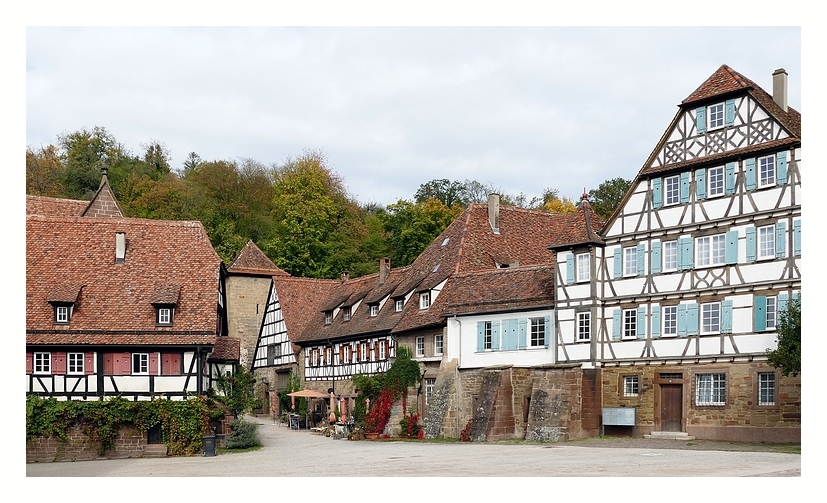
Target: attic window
436 268
120 247
374 310
398 305
328 317
425 300
346 313
63 313
163 315
445 241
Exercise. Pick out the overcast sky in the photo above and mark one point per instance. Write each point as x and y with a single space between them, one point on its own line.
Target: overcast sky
521 109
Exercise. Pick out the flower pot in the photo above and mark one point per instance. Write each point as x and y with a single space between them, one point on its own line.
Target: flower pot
371 436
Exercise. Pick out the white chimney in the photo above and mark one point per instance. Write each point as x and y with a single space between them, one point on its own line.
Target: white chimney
494 212
779 88
120 247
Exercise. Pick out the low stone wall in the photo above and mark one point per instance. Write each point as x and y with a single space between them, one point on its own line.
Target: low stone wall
81 447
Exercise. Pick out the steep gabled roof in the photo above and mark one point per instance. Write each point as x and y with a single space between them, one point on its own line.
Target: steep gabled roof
300 300
103 203
252 261
582 227
54 207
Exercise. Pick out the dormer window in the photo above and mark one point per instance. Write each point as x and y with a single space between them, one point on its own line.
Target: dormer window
346 313
398 305
163 315
120 247
63 313
328 317
164 299
63 298
425 300
716 115
374 310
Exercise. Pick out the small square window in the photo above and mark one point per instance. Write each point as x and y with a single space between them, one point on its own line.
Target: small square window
424 300
374 310
398 305
631 385
62 314
75 363
42 363
710 389
711 250
140 363
164 316
420 346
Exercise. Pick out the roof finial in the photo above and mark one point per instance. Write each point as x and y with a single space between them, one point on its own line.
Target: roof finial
585 195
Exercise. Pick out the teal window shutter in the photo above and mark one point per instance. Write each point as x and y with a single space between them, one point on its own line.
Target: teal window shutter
655 257
781 168
729 112
686 255
570 269
641 259
700 119
797 238
780 239
618 262
729 178
750 172
752 245
726 317
509 329
495 335
657 192
522 324
685 187
783 298
547 334
681 319
760 306
480 336
732 247
692 319
700 183
655 322
616 324
641 322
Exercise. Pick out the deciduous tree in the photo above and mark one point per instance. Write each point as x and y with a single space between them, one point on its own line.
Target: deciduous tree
787 356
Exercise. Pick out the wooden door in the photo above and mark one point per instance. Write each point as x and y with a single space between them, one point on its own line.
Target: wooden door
671 399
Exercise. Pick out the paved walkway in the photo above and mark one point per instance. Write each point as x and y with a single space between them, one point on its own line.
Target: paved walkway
288 453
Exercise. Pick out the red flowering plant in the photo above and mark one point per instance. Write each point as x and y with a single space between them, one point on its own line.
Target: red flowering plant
383 390
411 427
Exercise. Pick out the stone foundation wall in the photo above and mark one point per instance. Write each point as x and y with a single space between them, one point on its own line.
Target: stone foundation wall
80 447
556 397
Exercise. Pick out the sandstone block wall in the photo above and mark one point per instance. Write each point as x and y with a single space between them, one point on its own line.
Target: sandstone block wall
80 447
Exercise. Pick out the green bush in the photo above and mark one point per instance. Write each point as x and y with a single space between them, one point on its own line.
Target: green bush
244 435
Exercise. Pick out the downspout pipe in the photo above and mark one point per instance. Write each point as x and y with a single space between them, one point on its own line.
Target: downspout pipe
456 377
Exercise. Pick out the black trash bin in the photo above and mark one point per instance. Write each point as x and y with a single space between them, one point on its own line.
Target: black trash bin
209 445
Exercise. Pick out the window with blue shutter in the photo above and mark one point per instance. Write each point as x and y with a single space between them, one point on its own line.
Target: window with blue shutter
750 174
616 328
729 112
549 321
681 319
641 322
700 183
726 317
685 187
732 247
509 331
480 336
797 238
780 239
752 245
495 335
522 324
570 269
655 257
729 178
618 262
692 319
641 259
686 255
759 304
657 192
783 299
781 168
655 322
700 120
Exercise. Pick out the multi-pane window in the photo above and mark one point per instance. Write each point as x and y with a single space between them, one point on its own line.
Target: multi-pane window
711 250
486 335
715 115
710 389
631 385
328 317
420 346
766 388
766 241
328 356
438 344
140 363
772 312
42 363
672 190
382 350
398 304
538 332
424 300
346 313
630 323
670 320
716 181
75 363
429 389
346 354
711 318
363 352
584 325
670 255
583 267
630 261
61 314
374 310
766 171
164 316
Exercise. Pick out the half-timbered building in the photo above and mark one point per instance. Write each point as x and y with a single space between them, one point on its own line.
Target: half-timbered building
119 306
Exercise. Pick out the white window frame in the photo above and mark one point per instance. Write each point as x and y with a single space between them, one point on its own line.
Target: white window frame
420 346
715 116
425 300
537 333
670 256
630 261
328 317
328 356
629 321
710 250
374 310
670 321
710 389
398 305
314 358
75 363
383 352
429 388
766 171
62 314
346 313
584 326
766 242
631 386
42 363
766 389
439 344
487 336
164 316
710 318
140 364
715 182
771 313
671 190
583 261
363 352
347 353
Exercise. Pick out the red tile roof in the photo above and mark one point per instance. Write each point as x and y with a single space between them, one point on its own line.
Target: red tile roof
252 261
499 290
54 207
227 349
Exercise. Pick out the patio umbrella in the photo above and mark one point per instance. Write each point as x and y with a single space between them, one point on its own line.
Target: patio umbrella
306 393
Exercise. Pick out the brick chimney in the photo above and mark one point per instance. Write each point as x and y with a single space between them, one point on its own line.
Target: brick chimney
494 212
779 88
384 269
345 276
